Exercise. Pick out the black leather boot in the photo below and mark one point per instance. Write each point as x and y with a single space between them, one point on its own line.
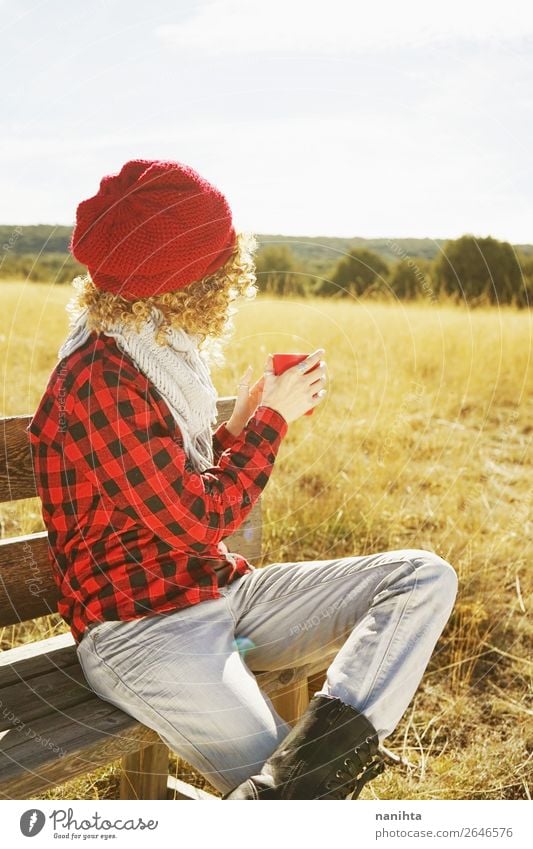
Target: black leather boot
330 753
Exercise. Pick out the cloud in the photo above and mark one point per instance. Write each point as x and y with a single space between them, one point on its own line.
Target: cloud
343 26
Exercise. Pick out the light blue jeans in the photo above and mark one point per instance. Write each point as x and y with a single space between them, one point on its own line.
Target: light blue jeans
372 621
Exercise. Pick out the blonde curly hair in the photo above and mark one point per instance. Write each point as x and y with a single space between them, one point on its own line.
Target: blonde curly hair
203 307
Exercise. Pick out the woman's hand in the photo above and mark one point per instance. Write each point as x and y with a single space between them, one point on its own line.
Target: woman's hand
298 389
248 399
291 393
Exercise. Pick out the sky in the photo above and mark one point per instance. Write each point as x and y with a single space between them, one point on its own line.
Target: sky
314 117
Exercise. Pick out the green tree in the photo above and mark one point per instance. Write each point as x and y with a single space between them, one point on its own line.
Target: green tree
276 271
358 272
479 270
410 279
525 295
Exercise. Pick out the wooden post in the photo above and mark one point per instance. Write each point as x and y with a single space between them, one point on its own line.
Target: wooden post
145 773
291 701
314 682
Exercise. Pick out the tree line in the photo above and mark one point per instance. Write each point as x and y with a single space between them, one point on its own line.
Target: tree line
473 270
477 271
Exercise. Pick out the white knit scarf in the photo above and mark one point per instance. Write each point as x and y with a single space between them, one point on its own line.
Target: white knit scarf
179 371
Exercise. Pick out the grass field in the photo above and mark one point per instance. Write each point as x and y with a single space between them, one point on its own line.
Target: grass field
423 441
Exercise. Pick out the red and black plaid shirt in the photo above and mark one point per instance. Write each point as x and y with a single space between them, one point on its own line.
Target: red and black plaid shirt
132 529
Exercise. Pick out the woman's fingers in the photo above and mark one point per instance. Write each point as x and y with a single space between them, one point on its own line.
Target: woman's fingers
244 381
310 361
320 377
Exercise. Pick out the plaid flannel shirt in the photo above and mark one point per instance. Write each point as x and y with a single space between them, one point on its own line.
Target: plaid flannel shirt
132 529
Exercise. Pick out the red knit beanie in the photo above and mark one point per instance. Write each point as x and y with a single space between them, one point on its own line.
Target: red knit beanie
155 227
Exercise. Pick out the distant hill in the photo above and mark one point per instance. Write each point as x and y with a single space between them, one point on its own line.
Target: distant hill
318 253
322 252
35 238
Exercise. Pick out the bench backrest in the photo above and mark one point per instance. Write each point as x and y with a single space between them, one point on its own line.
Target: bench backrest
27 588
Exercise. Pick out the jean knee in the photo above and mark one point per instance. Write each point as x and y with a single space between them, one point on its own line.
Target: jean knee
441 574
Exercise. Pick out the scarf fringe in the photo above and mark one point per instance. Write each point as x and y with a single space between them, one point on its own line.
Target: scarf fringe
178 371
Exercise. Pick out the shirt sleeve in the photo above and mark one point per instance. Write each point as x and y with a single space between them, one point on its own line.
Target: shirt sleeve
222 439
116 434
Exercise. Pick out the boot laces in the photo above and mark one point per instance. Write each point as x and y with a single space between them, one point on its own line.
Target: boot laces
363 765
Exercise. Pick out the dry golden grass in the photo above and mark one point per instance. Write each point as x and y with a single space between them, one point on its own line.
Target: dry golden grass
423 441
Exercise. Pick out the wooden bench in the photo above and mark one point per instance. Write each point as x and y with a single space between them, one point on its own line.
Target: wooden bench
53 728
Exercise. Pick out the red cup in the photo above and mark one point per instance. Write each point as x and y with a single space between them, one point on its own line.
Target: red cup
281 362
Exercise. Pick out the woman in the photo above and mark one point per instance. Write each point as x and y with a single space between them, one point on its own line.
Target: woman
138 494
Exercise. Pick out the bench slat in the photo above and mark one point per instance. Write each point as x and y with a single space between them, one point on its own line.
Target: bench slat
17 478
27 588
92 734
178 789
30 700
30 658
20 666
